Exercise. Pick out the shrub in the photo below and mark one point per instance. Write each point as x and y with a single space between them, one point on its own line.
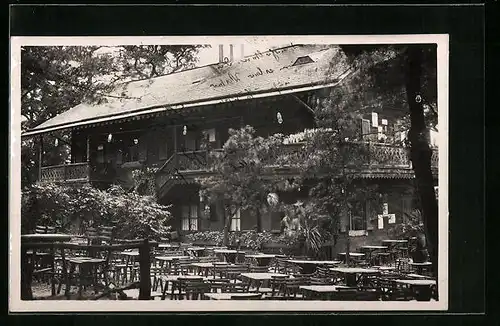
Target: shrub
75 208
246 239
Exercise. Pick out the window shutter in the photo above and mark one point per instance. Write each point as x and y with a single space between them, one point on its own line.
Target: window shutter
365 128
369 215
344 220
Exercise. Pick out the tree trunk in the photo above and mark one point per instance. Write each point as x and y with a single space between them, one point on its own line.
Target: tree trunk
259 220
420 152
227 224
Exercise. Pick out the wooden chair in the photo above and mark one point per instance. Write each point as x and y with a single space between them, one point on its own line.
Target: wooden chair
284 267
195 290
43 229
403 266
178 289
220 284
42 259
248 296
231 287
291 287
391 291
207 259
365 295
233 272
259 269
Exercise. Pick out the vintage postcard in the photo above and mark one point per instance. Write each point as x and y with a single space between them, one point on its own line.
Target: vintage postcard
229 173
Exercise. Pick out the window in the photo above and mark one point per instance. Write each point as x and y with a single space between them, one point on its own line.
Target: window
163 149
210 133
190 217
236 221
189 144
357 217
100 154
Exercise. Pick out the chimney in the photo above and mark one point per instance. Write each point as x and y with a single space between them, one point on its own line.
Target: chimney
234 54
221 53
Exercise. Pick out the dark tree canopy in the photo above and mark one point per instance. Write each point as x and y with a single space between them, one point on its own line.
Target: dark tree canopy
57 78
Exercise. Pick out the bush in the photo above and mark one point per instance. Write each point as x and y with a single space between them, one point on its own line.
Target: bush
246 239
75 208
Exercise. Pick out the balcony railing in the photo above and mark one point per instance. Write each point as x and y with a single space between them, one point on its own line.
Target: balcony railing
66 172
370 155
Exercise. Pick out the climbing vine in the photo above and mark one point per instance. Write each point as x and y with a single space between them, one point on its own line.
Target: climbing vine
145 181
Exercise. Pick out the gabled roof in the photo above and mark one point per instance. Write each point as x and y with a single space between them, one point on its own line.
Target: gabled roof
263 74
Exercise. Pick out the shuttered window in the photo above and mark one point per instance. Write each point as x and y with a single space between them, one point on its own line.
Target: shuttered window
189 218
236 221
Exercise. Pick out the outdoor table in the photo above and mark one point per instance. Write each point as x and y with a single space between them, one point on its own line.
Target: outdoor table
175 280
356 255
224 296
168 245
422 289
262 259
27 266
202 267
385 268
130 257
312 291
229 254
86 266
417 276
394 241
197 251
258 278
421 266
169 259
350 274
310 266
371 249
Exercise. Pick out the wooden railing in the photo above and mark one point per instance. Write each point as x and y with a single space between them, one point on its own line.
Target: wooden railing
65 172
368 154
288 155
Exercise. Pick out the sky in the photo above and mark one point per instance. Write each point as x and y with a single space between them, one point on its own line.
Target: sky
211 55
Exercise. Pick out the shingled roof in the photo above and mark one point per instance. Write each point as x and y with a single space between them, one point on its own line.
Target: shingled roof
269 73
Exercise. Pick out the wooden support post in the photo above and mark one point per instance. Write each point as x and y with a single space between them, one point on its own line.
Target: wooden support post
176 159
26 275
40 156
145 271
88 148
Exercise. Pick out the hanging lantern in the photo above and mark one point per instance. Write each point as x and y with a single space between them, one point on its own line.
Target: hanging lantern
110 138
136 141
272 199
184 130
56 142
279 117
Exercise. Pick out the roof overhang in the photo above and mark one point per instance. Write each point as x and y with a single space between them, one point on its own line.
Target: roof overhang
155 110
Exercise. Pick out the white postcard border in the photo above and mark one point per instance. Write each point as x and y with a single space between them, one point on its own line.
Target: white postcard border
15 303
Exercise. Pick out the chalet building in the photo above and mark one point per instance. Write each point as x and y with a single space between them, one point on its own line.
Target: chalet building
160 122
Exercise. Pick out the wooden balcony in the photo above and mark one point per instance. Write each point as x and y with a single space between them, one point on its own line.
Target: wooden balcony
370 155
377 159
66 173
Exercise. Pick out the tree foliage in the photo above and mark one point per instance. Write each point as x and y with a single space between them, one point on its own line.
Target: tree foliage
416 68
73 209
241 173
57 78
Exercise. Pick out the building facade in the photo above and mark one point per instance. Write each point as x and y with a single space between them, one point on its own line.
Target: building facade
163 123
